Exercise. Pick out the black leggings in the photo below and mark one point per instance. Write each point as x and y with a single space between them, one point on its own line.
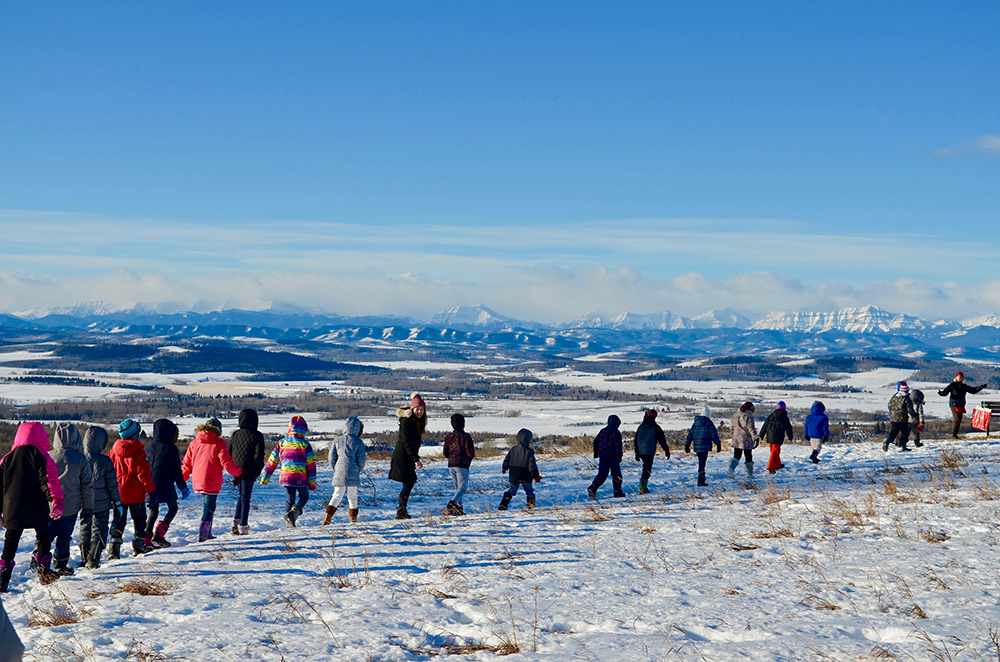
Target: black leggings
138 512
743 452
154 512
404 492
43 542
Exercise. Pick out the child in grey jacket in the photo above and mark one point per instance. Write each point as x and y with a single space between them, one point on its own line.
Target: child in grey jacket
520 461
347 459
77 481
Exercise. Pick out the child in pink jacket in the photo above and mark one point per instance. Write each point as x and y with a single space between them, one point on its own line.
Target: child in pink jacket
204 461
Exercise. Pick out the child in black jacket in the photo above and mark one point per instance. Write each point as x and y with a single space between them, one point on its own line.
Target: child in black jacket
520 461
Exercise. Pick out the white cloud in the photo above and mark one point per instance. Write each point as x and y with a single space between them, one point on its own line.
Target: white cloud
988 145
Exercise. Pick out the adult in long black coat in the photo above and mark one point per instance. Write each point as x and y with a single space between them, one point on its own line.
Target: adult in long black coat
247 450
406 454
165 467
957 391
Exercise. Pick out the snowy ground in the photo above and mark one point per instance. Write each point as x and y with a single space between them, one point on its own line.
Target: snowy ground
865 556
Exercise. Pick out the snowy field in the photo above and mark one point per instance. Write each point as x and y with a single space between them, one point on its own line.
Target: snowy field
864 556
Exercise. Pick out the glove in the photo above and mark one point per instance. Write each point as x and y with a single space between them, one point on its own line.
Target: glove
596 455
920 426
826 439
807 437
57 510
85 515
503 471
538 479
637 458
687 449
152 500
185 492
264 480
668 454
237 479
118 508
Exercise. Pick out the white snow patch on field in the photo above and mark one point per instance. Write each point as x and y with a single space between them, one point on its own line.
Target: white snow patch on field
865 556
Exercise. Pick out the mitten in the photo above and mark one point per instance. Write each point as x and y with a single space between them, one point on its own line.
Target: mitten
265 479
538 479
825 439
85 515
185 492
118 508
920 426
503 471
57 510
687 449
237 479
668 453
152 500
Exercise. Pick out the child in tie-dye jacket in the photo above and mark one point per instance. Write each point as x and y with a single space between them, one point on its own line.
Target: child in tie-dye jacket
294 455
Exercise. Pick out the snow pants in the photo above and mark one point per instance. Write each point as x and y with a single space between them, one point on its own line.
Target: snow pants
607 465
774 461
901 430
43 542
338 495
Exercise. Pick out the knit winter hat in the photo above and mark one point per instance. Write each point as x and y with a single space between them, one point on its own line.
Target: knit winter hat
903 388
651 413
959 374
129 429
706 412
416 401
781 404
298 425
458 422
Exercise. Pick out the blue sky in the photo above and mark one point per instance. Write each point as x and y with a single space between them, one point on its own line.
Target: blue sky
545 159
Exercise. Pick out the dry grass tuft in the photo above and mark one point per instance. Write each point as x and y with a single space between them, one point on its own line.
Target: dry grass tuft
817 602
738 546
140 653
594 514
62 612
953 459
440 595
916 612
783 532
934 536
142 586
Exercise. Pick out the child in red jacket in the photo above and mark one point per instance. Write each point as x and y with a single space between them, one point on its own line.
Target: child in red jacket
204 461
135 481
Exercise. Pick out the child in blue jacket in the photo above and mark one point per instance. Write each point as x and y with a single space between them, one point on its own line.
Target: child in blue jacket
702 435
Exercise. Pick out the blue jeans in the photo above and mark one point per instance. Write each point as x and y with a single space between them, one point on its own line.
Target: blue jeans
208 502
460 478
242 513
528 489
291 491
61 533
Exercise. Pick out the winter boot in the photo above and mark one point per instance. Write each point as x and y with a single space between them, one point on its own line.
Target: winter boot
815 457
330 512
531 502
115 551
701 480
94 557
139 547
459 510
160 540
205 531
617 484
885 447
352 513
750 470
401 508
643 486
244 529
45 574
732 468
592 493
292 516
6 569
147 540
84 555
62 566
507 496
235 529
